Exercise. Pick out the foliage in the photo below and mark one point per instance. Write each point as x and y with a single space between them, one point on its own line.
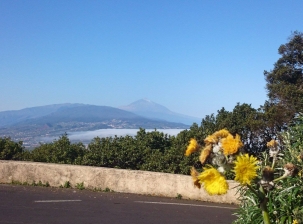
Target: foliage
66 185
10 150
40 184
283 192
253 125
179 196
271 184
284 82
80 186
59 151
151 151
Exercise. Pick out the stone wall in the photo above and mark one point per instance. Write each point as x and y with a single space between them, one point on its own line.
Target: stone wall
118 180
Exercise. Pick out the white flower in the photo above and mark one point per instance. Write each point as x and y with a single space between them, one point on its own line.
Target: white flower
221 169
217 148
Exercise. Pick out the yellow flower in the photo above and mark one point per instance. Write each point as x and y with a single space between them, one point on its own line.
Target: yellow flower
205 153
223 133
245 169
295 222
213 181
231 145
215 137
194 174
192 147
210 139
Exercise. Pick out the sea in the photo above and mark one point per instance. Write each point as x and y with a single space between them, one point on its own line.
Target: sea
87 136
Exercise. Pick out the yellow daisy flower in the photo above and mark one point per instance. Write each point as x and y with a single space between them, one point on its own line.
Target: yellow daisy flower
213 181
223 133
192 147
215 137
210 139
245 169
205 153
231 145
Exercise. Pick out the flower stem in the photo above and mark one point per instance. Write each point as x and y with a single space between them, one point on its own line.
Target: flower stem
273 162
280 178
260 196
265 215
263 206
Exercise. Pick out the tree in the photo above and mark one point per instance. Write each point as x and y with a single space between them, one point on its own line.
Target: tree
59 151
253 125
10 150
285 81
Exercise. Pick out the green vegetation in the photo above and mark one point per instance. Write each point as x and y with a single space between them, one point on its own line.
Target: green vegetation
284 82
66 185
40 184
80 186
282 190
10 150
107 190
179 196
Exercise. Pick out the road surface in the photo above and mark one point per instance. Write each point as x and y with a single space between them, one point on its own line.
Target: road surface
35 205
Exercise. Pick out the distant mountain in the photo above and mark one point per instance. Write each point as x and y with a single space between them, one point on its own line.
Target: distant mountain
152 110
80 113
53 120
11 117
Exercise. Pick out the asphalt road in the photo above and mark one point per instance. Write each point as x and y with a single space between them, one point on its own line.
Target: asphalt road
28 204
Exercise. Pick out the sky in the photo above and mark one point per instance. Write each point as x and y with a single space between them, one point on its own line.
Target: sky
193 57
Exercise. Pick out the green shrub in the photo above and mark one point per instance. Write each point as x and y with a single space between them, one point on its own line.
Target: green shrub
80 186
10 150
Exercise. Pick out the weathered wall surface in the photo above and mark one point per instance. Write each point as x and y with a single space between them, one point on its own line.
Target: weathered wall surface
118 180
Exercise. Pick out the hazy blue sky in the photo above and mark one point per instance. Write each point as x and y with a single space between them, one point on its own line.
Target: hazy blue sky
194 57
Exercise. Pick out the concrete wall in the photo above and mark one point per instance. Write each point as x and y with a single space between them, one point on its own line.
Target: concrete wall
118 180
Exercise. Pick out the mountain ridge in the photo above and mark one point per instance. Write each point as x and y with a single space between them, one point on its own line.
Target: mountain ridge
143 107
30 124
147 108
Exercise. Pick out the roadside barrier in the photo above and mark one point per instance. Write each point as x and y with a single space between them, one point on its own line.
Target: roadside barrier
118 180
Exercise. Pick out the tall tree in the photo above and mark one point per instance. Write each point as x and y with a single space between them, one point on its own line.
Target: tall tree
285 81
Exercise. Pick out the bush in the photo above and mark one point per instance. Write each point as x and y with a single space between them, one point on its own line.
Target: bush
10 150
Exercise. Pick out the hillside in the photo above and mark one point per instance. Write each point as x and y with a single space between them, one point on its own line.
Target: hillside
54 120
11 117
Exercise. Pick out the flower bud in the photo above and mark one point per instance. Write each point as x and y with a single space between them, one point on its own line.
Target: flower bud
290 170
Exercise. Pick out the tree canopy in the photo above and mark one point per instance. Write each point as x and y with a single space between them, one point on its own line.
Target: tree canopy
285 81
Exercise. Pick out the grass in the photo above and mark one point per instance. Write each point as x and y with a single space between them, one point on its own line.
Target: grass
179 196
67 184
80 186
40 184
